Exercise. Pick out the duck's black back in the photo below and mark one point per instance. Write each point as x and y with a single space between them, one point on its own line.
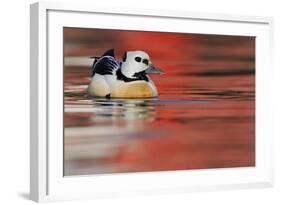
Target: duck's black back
106 64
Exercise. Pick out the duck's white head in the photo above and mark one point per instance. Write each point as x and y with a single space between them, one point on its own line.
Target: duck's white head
135 62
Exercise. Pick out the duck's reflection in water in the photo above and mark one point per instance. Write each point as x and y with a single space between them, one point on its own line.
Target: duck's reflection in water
124 110
115 124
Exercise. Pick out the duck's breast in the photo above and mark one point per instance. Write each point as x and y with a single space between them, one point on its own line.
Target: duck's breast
136 89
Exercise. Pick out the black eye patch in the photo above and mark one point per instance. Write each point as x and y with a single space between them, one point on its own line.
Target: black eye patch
138 59
145 61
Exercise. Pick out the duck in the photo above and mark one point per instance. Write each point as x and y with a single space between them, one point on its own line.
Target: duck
128 78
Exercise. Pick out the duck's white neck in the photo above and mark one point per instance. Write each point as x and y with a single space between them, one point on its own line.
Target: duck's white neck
127 70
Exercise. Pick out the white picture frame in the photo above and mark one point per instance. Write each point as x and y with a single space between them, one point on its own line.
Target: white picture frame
46 178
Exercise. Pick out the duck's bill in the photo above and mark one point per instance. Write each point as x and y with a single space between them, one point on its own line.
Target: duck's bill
153 70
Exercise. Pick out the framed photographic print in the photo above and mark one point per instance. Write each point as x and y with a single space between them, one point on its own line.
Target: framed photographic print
127 102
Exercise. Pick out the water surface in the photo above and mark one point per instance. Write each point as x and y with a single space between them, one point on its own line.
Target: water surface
203 118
